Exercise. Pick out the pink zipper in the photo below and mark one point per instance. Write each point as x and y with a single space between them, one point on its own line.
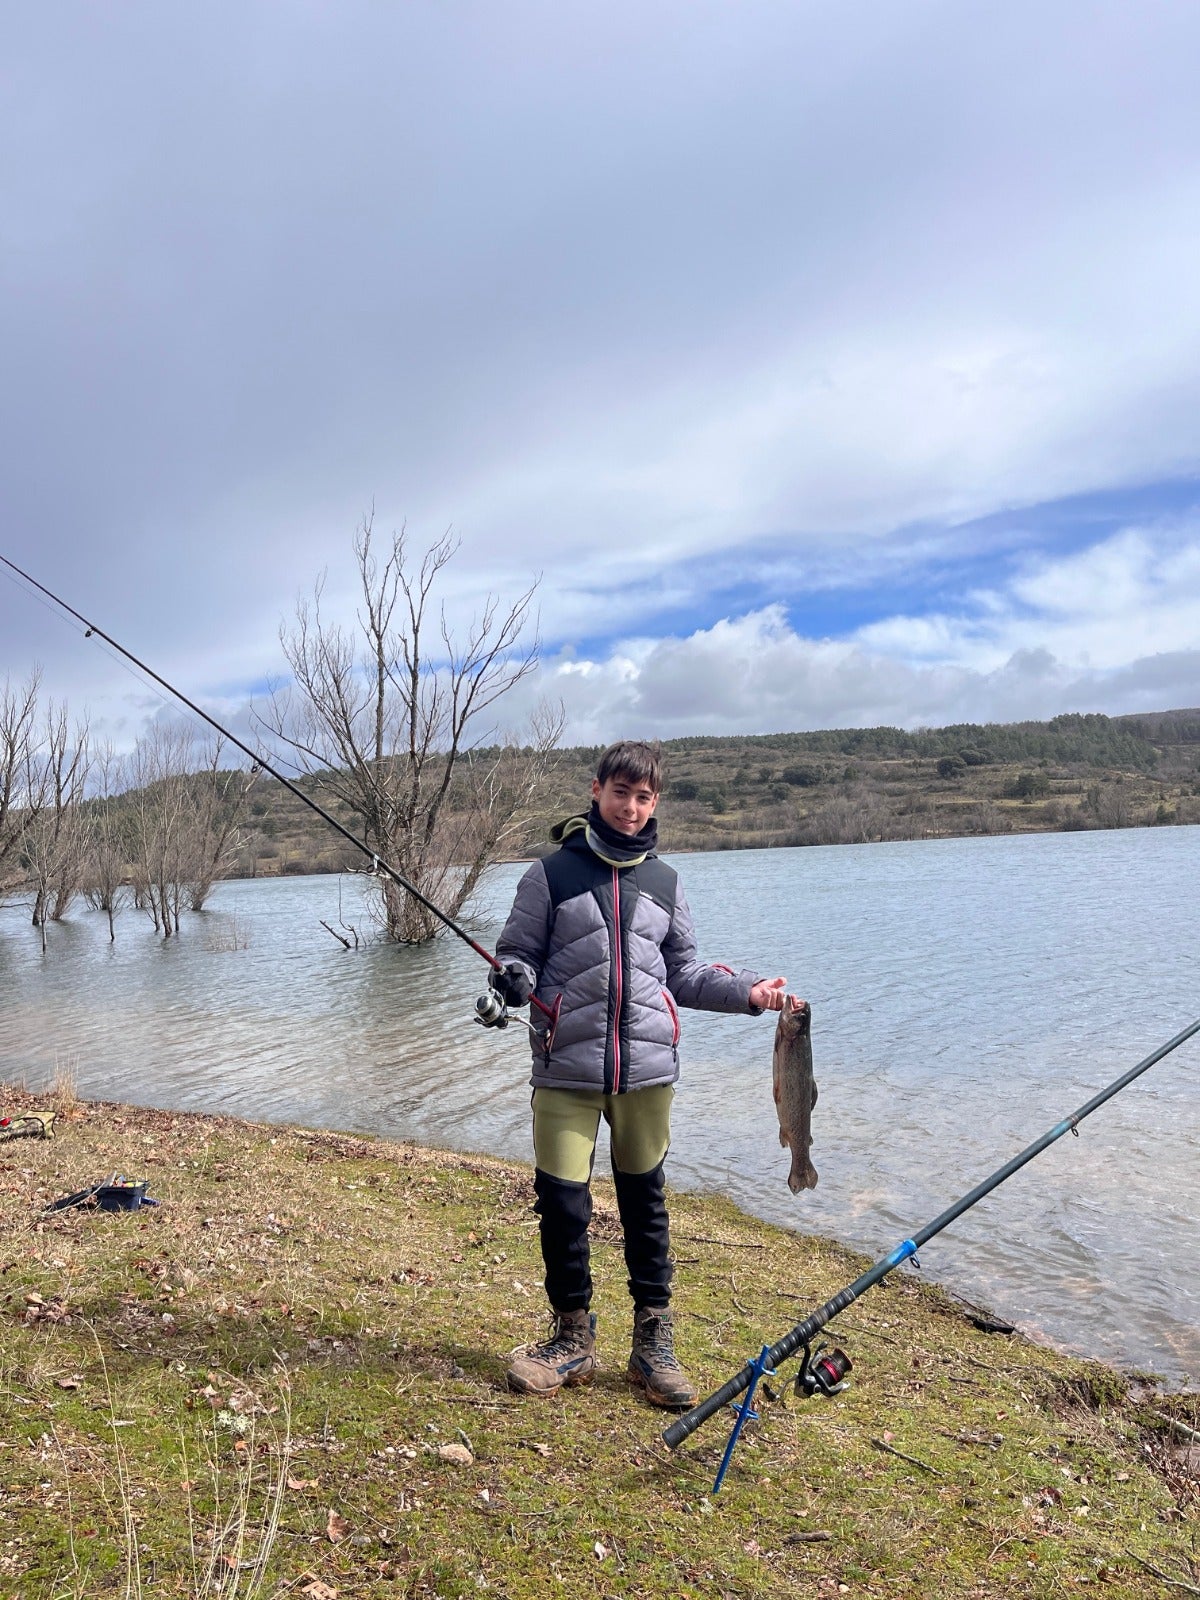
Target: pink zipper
617 958
667 996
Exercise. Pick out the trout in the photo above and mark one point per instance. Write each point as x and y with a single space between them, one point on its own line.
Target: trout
795 1089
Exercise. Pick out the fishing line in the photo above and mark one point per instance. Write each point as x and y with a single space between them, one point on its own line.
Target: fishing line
55 611
378 865
801 1336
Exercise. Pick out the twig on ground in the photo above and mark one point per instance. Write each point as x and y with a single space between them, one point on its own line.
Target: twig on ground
874 1333
1166 1577
892 1451
732 1244
975 1362
1180 1428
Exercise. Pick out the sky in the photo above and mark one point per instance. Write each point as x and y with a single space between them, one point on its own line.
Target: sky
826 366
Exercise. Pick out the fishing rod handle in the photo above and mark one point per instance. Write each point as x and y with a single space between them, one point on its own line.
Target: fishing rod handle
686 1425
795 1339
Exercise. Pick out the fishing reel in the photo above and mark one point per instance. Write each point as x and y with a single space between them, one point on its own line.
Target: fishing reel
491 1011
823 1371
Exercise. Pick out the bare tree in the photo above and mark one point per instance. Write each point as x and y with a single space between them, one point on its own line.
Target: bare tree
219 801
182 822
22 778
393 718
56 843
104 884
1112 805
158 818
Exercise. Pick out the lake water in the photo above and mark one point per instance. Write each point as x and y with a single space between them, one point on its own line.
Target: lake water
967 995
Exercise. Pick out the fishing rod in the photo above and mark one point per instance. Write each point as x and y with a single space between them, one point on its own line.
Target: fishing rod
826 1371
490 1009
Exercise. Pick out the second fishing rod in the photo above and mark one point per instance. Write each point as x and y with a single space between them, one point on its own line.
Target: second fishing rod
824 1372
490 1009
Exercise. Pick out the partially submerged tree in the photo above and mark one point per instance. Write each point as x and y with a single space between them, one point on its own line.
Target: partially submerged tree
104 882
22 777
396 719
182 822
219 804
56 843
159 838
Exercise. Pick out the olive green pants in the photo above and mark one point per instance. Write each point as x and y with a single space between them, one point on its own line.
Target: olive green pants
565 1125
566 1122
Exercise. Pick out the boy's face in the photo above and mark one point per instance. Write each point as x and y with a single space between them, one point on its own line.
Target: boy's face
626 804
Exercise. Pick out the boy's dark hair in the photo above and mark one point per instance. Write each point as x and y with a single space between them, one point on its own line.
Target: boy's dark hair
633 760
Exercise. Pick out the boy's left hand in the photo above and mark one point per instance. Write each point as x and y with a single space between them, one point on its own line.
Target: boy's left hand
768 994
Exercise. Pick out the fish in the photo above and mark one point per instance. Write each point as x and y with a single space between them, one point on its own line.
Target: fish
795 1088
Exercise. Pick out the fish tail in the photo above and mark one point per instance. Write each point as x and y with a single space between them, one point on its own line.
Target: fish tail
803 1174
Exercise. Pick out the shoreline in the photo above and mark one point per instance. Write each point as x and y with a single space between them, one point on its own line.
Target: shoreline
512 1169
310 1332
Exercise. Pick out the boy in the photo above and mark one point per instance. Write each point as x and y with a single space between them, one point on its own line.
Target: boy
602 929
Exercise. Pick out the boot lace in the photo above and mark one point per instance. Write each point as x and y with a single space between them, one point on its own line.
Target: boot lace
658 1336
564 1339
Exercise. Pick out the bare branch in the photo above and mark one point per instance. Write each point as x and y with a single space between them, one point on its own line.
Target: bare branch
393 727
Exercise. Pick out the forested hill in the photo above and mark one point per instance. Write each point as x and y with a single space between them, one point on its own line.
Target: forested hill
850 785
1134 742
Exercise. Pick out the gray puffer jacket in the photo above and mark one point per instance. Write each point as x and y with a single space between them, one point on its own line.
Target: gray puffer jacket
615 950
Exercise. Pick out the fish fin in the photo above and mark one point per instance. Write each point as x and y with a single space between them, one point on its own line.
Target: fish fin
802 1176
783 1138
814 1098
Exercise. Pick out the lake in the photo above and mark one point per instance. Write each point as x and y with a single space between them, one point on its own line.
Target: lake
967 995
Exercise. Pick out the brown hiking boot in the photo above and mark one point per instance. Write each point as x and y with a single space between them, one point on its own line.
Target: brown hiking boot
566 1358
652 1362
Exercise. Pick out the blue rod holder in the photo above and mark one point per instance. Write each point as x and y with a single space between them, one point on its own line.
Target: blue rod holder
760 1368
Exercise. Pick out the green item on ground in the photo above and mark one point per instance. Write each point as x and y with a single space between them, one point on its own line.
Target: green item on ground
29 1125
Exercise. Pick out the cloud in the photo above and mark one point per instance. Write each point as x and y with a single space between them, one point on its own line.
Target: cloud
754 675
694 310
1056 639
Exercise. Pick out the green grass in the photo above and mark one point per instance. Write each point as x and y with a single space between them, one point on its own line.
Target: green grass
244 1392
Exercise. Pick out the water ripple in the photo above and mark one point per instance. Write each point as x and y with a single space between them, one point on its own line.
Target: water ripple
967 995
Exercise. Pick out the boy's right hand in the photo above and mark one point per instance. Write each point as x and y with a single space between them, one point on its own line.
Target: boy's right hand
512 984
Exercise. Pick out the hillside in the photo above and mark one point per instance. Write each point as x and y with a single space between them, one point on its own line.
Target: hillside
844 786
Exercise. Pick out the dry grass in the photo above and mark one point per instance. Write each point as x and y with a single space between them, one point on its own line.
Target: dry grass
247 1390
63 1097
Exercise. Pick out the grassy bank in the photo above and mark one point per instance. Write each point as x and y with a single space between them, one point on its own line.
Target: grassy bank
288 1378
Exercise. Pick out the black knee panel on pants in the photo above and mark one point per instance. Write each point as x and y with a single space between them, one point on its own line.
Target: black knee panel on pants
564 1210
641 1200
